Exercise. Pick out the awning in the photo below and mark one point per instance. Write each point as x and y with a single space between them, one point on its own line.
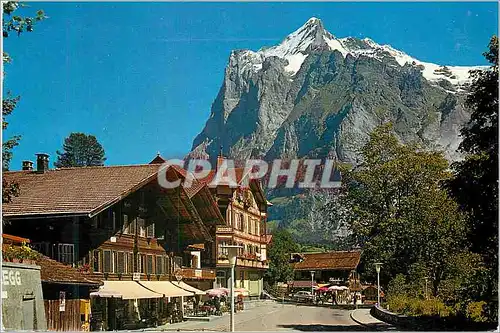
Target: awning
166 288
187 287
125 290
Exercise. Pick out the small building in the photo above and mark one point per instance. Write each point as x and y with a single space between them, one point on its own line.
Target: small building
334 267
65 290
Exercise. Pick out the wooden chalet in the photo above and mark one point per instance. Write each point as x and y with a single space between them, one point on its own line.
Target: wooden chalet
334 267
114 223
244 209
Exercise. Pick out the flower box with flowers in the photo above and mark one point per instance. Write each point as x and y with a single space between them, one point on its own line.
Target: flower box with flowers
20 254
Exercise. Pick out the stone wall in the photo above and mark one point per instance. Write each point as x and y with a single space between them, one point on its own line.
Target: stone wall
22 298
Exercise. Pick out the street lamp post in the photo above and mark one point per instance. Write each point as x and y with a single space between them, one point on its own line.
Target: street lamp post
232 253
377 268
312 285
426 278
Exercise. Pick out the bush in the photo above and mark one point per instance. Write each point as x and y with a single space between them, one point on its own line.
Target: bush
406 305
476 311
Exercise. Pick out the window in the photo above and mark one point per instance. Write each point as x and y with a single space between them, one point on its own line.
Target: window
177 262
66 253
159 265
194 261
131 227
257 227
141 227
142 261
107 265
125 224
166 264
149 264
120 262
221 278
223 251
113 218
131 266
235 220
150 231
96 262
242 279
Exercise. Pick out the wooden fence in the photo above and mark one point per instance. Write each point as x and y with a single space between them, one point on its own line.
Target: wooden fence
67 320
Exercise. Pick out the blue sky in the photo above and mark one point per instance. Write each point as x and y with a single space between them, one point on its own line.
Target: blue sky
141 77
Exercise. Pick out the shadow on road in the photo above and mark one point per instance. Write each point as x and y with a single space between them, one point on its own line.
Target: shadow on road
327 328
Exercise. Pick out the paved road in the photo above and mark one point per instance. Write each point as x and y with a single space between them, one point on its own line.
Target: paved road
278 317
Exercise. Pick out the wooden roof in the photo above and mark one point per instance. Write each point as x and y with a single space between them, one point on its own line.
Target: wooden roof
336 260
83 190
55 272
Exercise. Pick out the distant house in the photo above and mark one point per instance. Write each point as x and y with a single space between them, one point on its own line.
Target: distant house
335 267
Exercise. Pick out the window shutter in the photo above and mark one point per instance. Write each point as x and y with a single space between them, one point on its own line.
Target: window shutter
120 263
96 256
130 267
159 265
107 261
149 264
143 263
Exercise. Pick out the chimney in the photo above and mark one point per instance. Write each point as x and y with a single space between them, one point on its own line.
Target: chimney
28 165
42 162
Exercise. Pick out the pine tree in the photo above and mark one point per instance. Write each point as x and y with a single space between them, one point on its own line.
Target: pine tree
80 150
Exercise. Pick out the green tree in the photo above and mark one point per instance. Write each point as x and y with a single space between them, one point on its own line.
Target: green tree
400 214
475 181
19 24
278 254
80 150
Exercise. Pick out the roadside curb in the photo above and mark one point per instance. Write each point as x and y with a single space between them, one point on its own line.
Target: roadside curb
357 321
370 326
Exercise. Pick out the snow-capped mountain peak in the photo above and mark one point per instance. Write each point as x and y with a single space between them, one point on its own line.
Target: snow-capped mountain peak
313 37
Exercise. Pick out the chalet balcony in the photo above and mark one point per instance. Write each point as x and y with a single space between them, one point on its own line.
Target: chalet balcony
196 273
245 260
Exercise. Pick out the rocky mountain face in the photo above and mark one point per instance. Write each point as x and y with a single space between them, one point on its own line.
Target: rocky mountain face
315 95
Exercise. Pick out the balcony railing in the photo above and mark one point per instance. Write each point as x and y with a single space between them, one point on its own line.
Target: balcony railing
243 262
198 273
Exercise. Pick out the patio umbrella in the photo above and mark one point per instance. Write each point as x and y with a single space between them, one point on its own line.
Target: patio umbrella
241 291
217 292
323 289
334 288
